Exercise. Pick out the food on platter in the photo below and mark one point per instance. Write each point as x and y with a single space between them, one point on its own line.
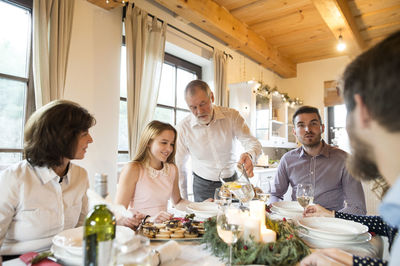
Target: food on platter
175 228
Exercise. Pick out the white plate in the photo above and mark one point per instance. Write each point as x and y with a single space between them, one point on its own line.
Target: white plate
203 209
332 228
315 242
287 215
70 241
288 207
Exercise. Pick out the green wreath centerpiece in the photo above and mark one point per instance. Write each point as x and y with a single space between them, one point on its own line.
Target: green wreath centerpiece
288 249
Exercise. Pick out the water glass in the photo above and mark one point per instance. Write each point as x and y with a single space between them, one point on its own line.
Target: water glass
222 197
234 178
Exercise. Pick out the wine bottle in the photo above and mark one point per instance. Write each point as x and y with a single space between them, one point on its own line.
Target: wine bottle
100 184
98 236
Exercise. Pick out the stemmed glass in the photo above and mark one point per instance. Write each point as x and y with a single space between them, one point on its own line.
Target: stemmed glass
265 190
234 178
222 196
228 227
305 194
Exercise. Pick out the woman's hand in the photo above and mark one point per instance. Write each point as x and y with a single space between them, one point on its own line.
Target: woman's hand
132 222
317 210
328 257
208 200
161 217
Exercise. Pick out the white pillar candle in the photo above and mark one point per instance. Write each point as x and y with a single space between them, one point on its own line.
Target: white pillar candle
251 228
233 215
267 235
257 211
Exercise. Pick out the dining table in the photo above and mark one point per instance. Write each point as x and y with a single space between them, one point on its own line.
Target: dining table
193 252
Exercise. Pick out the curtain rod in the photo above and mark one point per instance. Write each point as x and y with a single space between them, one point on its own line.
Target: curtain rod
175 28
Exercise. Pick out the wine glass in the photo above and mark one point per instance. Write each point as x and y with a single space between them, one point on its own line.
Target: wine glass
229 227
305 194
234 178
222 196
264 192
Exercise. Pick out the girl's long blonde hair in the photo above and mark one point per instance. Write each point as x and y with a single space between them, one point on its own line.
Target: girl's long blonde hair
151 131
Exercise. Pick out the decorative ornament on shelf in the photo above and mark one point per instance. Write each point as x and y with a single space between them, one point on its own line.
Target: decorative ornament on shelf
266 91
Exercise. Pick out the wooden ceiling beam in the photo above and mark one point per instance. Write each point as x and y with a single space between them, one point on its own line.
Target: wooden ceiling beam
217 20
338 17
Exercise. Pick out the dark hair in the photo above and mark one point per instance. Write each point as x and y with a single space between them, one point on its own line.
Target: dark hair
197 84
306 110
375 76
51 133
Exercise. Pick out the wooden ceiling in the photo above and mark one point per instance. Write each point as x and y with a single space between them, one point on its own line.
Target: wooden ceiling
278 34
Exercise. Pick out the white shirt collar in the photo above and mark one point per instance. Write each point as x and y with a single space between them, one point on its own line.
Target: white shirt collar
47 174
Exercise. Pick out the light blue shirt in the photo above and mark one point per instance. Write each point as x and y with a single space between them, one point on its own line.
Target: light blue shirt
390 212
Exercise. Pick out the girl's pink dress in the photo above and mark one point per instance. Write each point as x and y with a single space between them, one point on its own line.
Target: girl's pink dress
153 189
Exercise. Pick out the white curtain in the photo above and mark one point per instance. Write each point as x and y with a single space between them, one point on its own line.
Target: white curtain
52 26
220 64
145 43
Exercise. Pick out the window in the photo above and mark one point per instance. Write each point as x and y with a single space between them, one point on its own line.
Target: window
171 105
337 134
16 91
176 74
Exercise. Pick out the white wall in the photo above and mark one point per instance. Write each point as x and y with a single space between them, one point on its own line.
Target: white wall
309 83
94 64
93 81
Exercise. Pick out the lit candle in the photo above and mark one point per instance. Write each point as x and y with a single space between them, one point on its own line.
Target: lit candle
257 211
267 235
251 228
234 216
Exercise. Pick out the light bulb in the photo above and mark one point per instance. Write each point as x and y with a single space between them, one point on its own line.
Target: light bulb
341 44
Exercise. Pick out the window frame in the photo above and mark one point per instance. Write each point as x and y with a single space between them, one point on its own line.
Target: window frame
29 104
176 62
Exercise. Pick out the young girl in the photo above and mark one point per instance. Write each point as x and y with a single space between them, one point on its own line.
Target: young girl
151 178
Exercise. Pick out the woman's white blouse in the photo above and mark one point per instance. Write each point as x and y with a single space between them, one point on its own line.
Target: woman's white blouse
34 206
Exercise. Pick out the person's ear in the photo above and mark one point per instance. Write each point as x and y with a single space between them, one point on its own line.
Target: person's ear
212 97
362 115
322 128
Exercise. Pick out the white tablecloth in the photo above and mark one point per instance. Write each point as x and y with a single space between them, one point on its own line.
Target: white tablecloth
194 253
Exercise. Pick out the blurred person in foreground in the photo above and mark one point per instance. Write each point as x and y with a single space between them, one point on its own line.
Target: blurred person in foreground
208 136
46 193
371 89
320 164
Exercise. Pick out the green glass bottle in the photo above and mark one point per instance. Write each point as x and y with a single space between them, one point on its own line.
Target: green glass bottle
98 236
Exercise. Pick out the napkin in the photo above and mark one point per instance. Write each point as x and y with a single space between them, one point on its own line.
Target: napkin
168 252
27 257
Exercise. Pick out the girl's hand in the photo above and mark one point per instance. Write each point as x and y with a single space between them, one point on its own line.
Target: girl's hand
317 210
208 200
133 222
161 217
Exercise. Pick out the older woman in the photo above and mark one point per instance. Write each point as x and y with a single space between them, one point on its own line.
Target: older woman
46 193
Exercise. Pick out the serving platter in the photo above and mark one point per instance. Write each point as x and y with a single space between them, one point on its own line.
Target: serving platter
332 228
